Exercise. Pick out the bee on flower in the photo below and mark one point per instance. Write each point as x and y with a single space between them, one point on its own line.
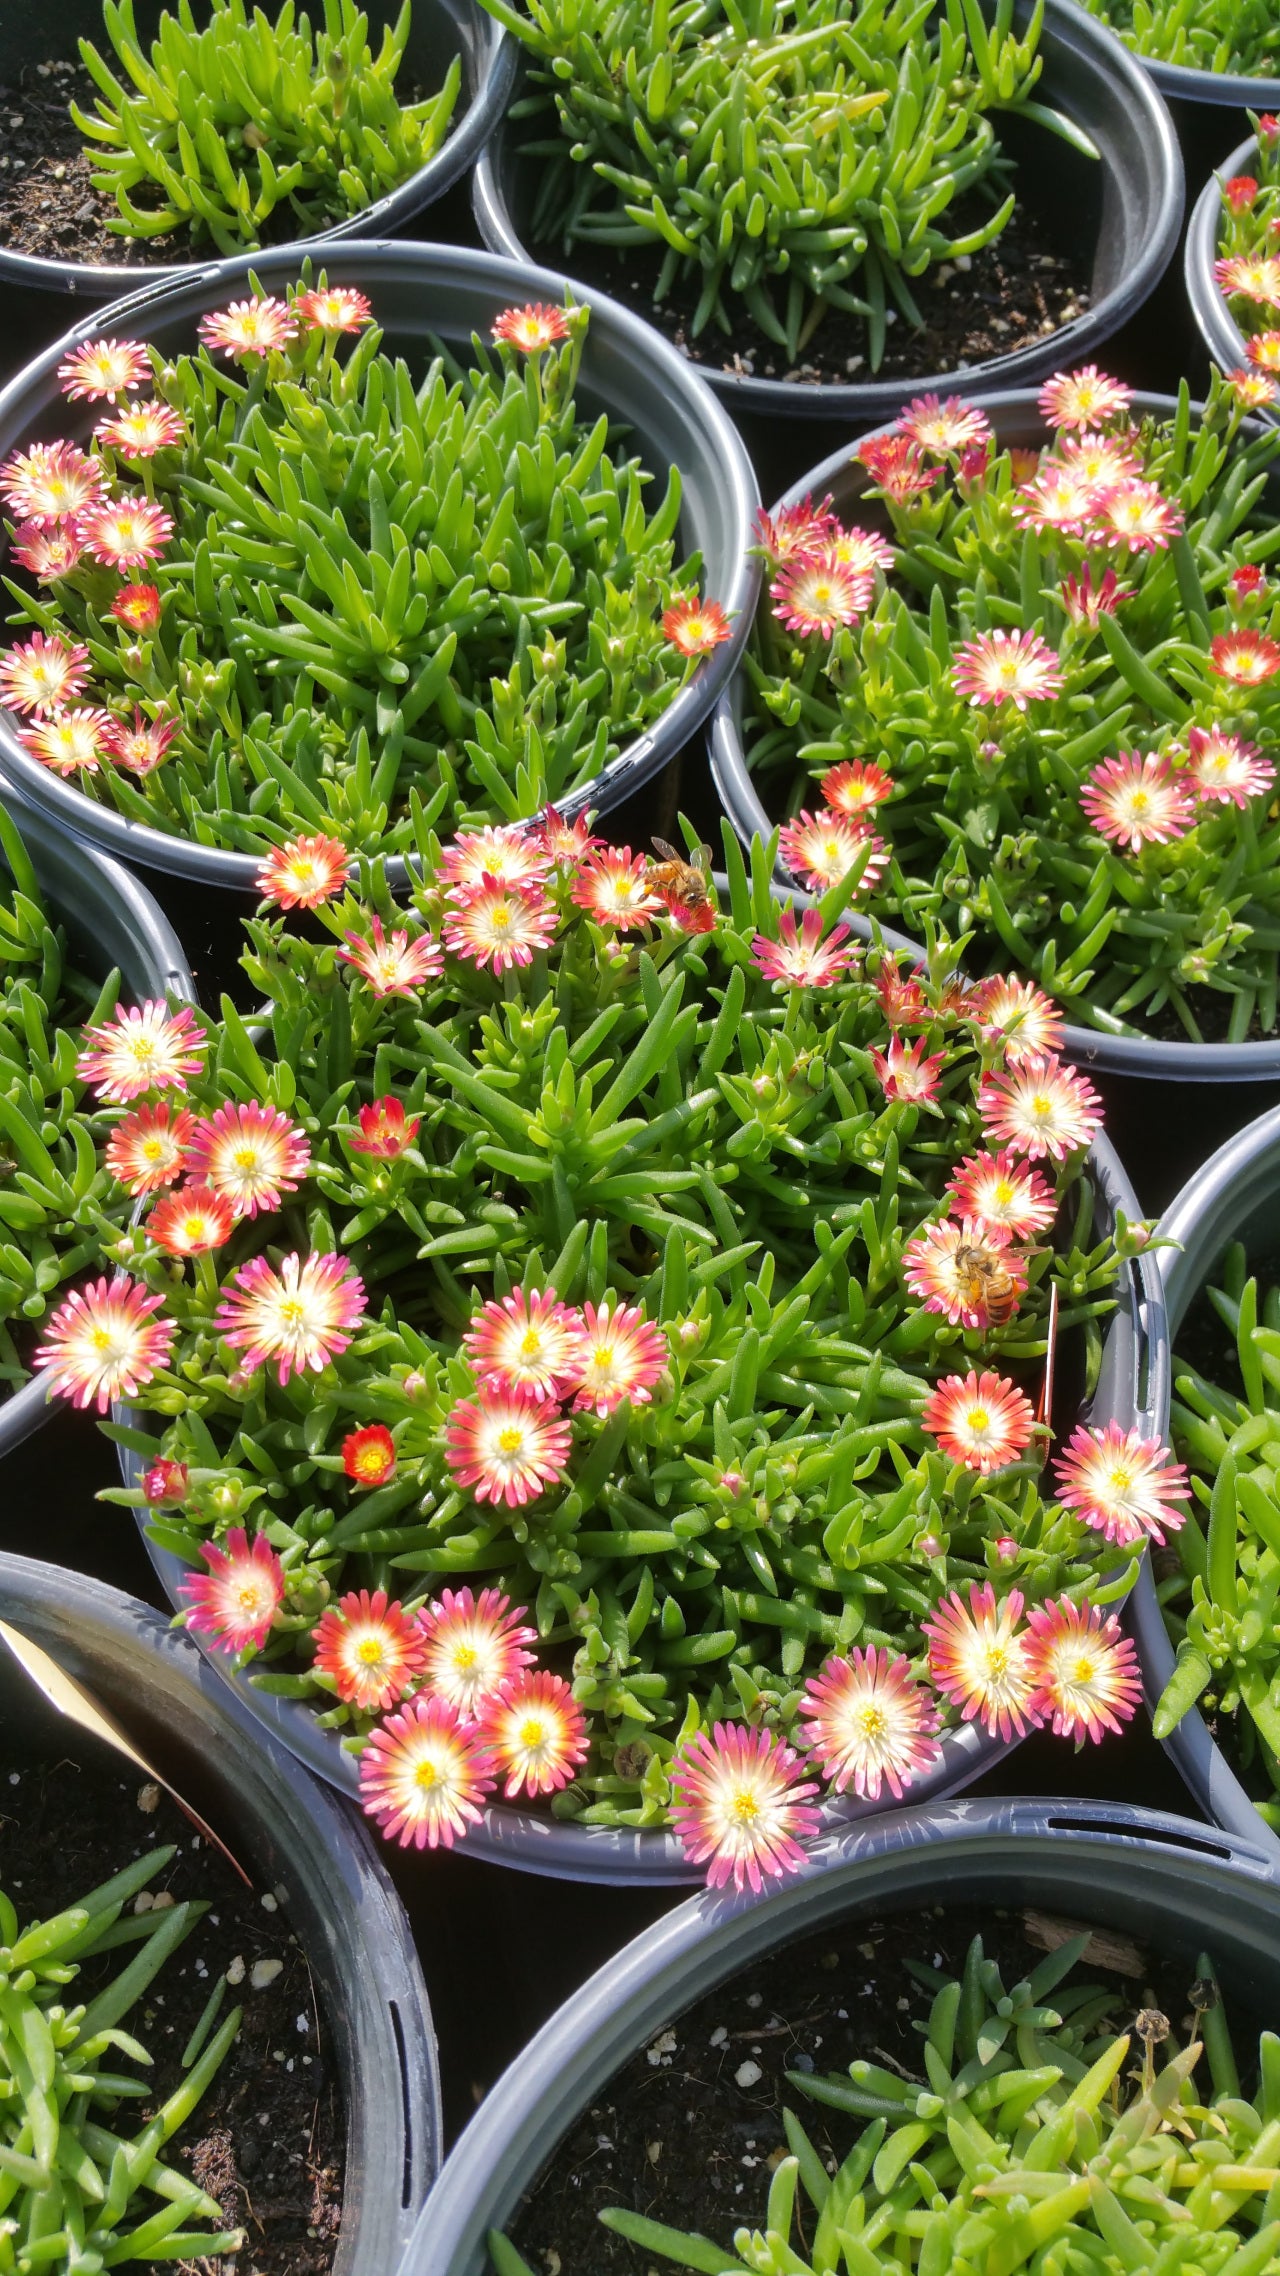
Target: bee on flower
968 1271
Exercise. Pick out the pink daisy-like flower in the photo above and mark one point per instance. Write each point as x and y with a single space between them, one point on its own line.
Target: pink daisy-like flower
1225 768
500 925
51 482
614 888
142 747
817 594
251 1155
1103 460
69 740
396 966
695 627
527 1343
1059 498
1085 602
165 1484
1249 276
901 999
856 786
795 531
905 1073
622 1356
1263 351
1006 667
304 872
504 857
472 1646
102 1343
1136 800
960 1269
1086 1672
564 843
191 1220
804 959
739 1808
532 328
41 675
49 553
1038 1108
983 1420
137 606
385 1130
1252 389
941 428
1084 398
824 848
333 308
998 1189
142 1047
1246 657
860 550
141 429
102 369
896 466
302 1316
369 1455
236 1601
506 1445
248 327
370 1649
870 1723
982 1663
148 1149
1016 1014
1123 1485
126 532
1137 515
537 1733
424 1775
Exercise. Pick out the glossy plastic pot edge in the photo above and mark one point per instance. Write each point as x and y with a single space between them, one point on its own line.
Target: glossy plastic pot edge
1221 90
1217 326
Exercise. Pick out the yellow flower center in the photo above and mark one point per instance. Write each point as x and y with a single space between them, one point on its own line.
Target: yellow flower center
872 1722
531 1344
745 1807
369 1651
1041 1106
464 1658
1003 1192
293 1312
1119 1481
247 1158
426 1776
511 1439
532 1732
979 1420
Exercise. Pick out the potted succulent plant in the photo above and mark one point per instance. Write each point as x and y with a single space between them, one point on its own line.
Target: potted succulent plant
1049 621
323 589
1205 59
307 1859
656 149
983 2119
1231 263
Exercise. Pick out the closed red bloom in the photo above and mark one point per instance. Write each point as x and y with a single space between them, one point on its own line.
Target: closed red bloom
104 368
905 1073
165 1484
142 1047
1085 1671
51 482
370 1649
1040 1107
236 1601
334 308
250 1154
824 847
536 1731
507 1445
1121 1484
472 1646
126 532
396 966
901 1000
980 1660
138 606
614 888
870 1723
739 1807
816 594
103 1344
1246 657
40 675
385 1129
983 1420
140 749
527 1343
424 1775
695 627
1246 584
1240 192
1016 1014
998 1189
803 959
957 1268
304 872
896 466
148 1149
622 1356
532 328
191 1221
856 786
369 1455
249 327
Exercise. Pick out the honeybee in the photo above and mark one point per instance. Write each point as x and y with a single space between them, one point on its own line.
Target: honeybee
678 880
987 1284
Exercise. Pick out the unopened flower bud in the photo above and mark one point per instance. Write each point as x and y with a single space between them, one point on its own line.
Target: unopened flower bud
690 1333
732 1482
165 1484
414 1385
929 1545
226 1498
1006 1548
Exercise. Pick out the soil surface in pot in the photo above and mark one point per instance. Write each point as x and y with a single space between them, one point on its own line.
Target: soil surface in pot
268 2138
689 2132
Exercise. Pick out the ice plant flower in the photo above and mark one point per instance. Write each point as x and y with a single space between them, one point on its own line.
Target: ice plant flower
423 1775
998 1189
1240 192
49 553
695 627
1018 1016
1246 584
870 1723
1252 389
622 1355
536 326
69 740
165 1484
1226 769
860 550
905 1073
740 1808
499 925
815 596
472 1646
1251 276
503 856
304 872
1121 1484
824 847
967 1271
40 675
103 1344
51 482
796 530
1263 351
334 308
901 999
536 1732
369 1455
1103 460
301 1317
137 606
614 889
506 1445
1136 800
1038 1108
980 1660
896 466
236 1601
942 427
191 1220
142 1047
1086 1673
983 1420
126 532
396 966
141 429
564 843
148 1149
1058 498
803 959
856 786
370 1649
1084 398
248 327
1137 515
102 369
1246 657
251 1154
142 747
527 1343
1085 601
1006 667
385 1130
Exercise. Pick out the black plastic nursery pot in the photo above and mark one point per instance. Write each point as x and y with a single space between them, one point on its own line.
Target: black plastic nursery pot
421 293
111 920
1217 326
1016 420
1132 1389
1133 195
1202 102
1234 1197
299 1844
441 30
1172 1884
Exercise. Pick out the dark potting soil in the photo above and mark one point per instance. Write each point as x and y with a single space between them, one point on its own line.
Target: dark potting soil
268 2137
690 2131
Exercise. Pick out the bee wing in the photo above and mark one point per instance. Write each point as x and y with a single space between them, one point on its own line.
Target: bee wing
703 858
664 851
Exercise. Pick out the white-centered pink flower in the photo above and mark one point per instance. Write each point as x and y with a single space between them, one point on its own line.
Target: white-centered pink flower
103 1343
998 1189
856 787
142 1047
49 552
370 1649
1138 516
1085 1671
862 550
1085 398
304 872
1039 1108
905 1072
816 597
613 887
148 1149
139 430
1136 800
301 1316
125 532
1248 658
1249 276
795 531
1225 769
424 1775
968 1271
824 847
621 1356
254 327
506 1446
499 925
533 328
252 1155
505 856
1058 498
803 959
51 482
1006 667
1016 1015
1123 1485
333 308
42 674
740 1807
527 1343
101 369
394 965
1103 460
235 1602
70 740
981 1420
870 1724
141 747
536 1733
944 427
980 1660
191 1220
472 1646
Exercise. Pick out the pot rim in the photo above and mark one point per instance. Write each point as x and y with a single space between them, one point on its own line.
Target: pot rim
1214 321
1216 90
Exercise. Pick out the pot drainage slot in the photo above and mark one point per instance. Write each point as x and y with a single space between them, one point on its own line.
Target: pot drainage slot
1124 1830
406 2176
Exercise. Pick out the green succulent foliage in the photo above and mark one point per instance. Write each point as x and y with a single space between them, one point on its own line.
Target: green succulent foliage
787 156
245 130
1204 35
71 2176
1219 1603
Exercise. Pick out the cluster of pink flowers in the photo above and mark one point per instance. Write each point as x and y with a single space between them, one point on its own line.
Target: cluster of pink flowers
824 576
